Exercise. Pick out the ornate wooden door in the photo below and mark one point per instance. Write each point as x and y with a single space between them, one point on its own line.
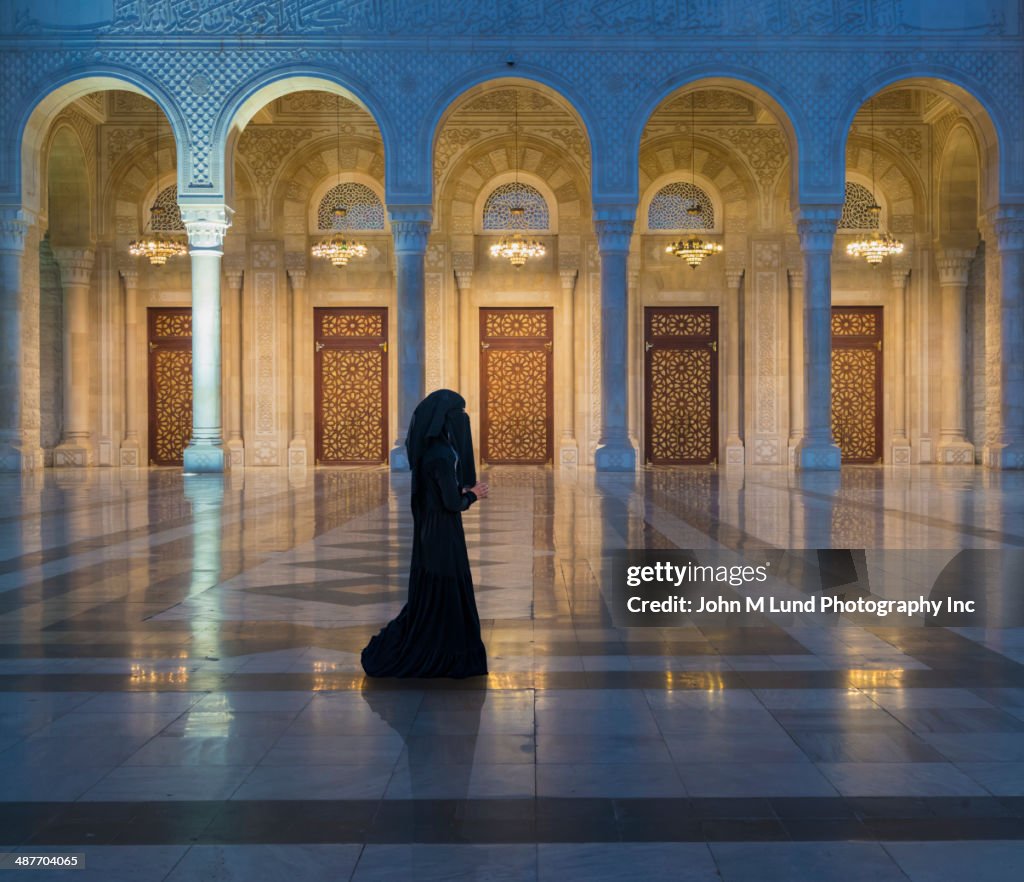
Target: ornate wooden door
516 385
681 385
351 371
857 382
170 383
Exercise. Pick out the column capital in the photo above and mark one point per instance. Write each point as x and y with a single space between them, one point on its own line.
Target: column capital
1009 227
410 227
796 277
733 277
899 274
130 277
954 265
613 235
816 226
206 224
568 278
234 278
75 264
464 279
13 226
297 277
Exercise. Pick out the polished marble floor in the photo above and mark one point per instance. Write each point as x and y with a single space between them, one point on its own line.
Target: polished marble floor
181 696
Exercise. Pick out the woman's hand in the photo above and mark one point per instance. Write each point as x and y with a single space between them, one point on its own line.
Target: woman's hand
480 490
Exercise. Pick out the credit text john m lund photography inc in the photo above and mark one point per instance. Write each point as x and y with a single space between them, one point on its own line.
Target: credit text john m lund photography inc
512 440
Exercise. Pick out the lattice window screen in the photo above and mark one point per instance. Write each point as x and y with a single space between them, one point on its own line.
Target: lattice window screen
667 210
857 213
364 209
497 214
169 219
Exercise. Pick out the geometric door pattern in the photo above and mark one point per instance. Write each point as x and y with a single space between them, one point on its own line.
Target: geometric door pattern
857 382
351 379
516 385
170 383
681 385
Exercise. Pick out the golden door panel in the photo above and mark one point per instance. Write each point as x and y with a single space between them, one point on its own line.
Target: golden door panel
170 384
681 385
857 382
516 385
350 365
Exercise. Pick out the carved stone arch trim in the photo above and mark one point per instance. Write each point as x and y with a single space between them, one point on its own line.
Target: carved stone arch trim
968 95
453 94
249 97
887 159
944 178
60 123
118 174
50 98
534 181
744 81
346 177
682 176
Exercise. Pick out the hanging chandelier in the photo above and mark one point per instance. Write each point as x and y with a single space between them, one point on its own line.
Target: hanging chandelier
880 244
517 249
336 248
694 249
156 247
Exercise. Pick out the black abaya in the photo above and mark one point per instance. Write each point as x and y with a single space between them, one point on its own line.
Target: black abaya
437 633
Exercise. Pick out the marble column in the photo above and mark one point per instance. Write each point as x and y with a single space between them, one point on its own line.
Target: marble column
298 451
900 446
76 446
410 226
130 455
796 364
13 456
817 228
234 276
206 226
734 454
615 452
954 264
568 449
1008 452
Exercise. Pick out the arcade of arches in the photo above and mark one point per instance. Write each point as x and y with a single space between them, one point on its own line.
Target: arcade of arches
279 358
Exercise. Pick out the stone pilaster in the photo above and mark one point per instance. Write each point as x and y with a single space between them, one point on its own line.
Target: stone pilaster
76 447
410 227
1008 452
298 450
130 453
15 455
234 277
206 226
954 448
899 446
734 452
615 452
568 448
816 225
797 368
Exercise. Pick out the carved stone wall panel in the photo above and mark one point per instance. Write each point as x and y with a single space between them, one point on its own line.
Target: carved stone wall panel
265 369
434 332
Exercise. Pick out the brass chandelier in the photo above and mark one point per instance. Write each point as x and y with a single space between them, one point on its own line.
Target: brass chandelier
880 244
516 249
336 248
154 246
694 249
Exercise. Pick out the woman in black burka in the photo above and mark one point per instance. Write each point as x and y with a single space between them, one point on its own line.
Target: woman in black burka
437 633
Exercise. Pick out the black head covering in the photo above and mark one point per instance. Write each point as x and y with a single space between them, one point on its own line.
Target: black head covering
440 415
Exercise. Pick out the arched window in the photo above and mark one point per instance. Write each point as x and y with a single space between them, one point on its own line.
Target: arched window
167 219
668 208
857 213
498 208
363 210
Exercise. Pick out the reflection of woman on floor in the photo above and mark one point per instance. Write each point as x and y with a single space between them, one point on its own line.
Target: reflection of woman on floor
437 633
